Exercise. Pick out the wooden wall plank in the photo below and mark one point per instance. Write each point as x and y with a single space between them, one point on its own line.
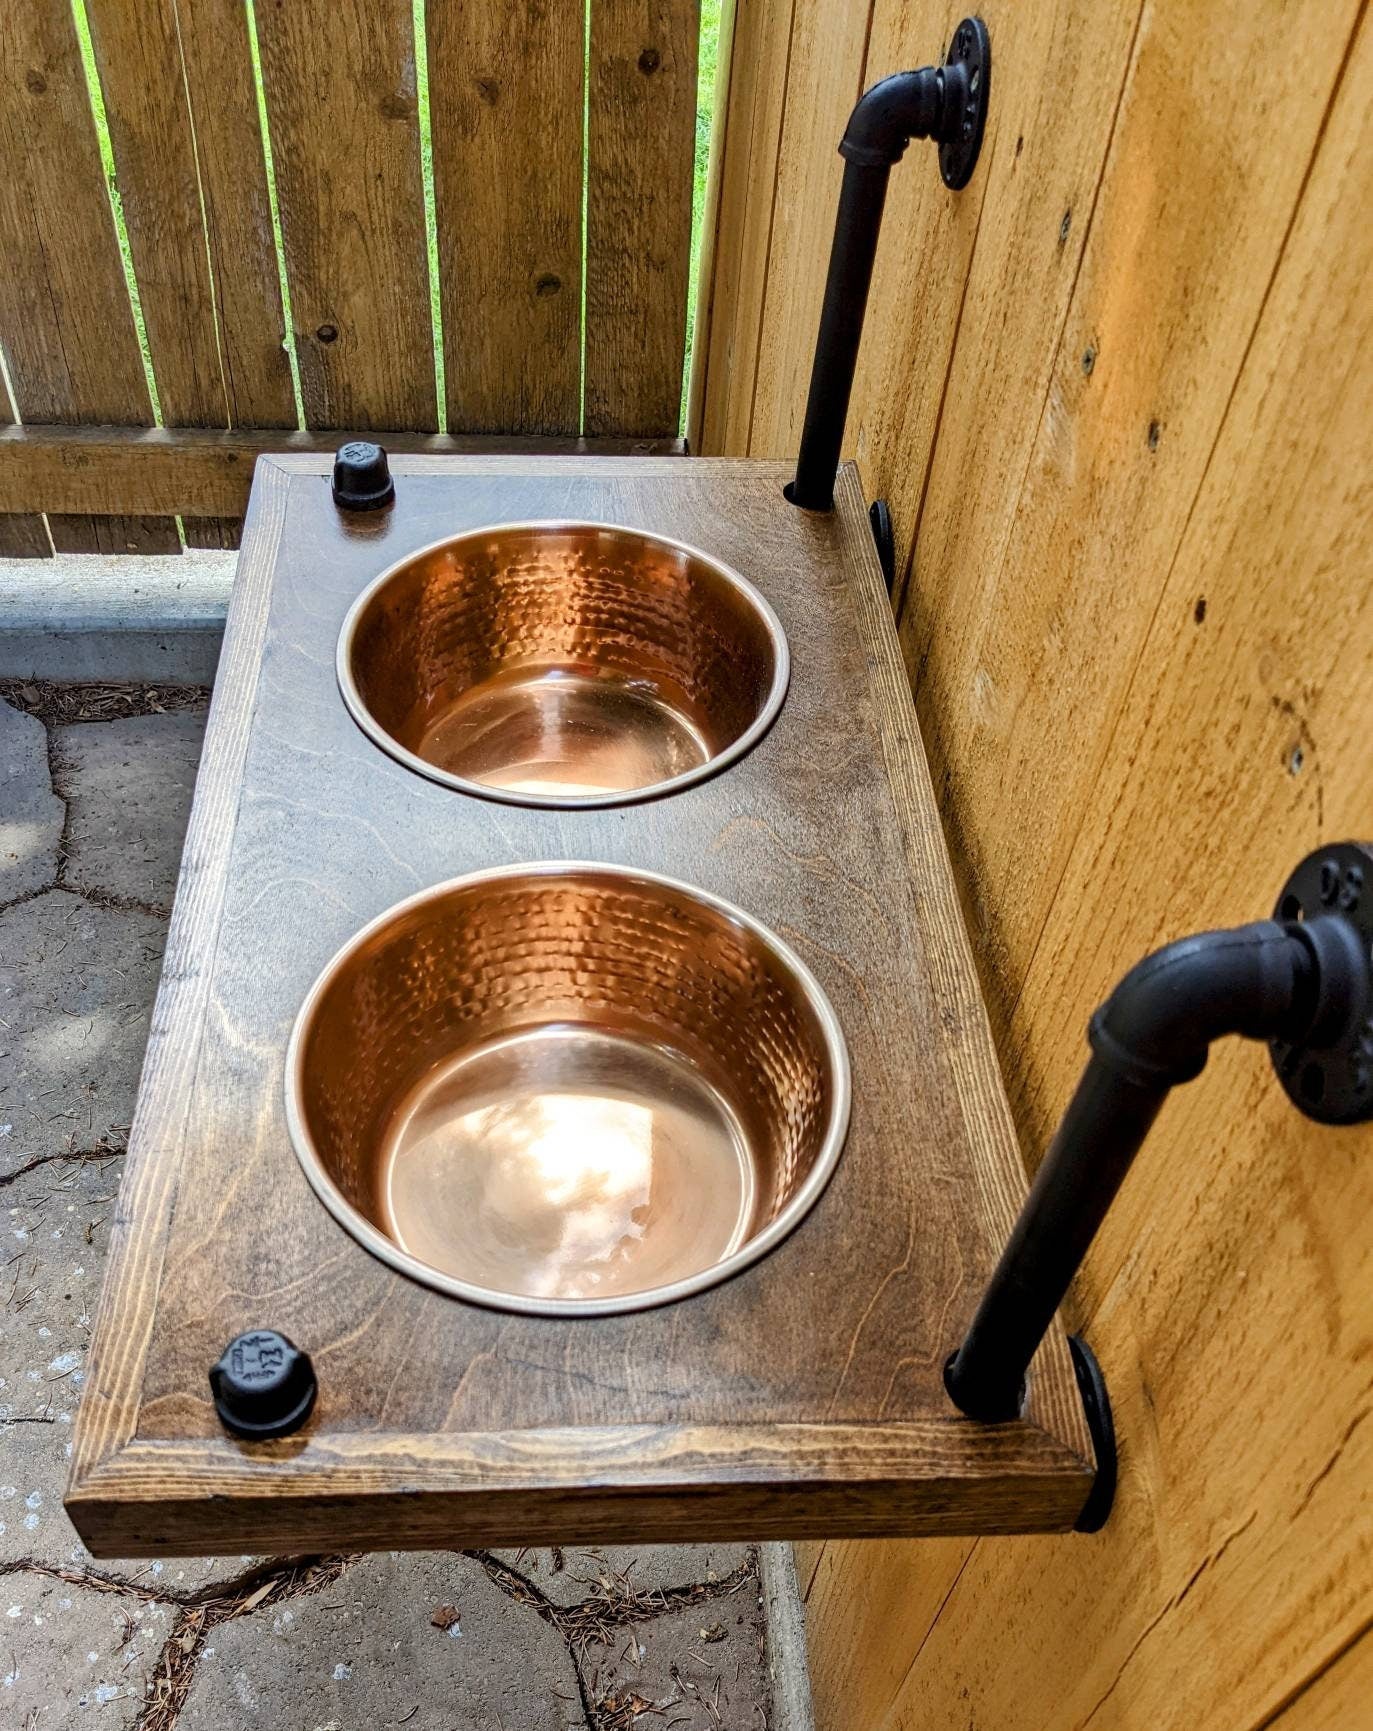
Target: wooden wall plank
1084 536
748 171
956 271
182 108
870 1605
340 82
507 133
642 128
66 324
217 64
919 280
1336 1700
203 474
23 534
139 61
825 76
1230 1296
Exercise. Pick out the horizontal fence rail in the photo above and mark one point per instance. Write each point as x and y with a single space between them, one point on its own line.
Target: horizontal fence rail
314 217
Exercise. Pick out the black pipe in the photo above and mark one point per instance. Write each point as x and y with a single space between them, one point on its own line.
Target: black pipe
946 103
1294 982
856 227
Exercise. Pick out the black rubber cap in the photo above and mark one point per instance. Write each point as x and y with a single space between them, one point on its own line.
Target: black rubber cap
362 477
263 1386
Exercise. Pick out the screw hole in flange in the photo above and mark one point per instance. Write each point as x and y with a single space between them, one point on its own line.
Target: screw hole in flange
1327 1073
970 52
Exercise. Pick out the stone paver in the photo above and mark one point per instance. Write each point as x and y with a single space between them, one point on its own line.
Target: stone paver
30 812
54 1228
570 1574
366 1654
73 1656
54 1233
76 992
701 1669
432 1642
147 763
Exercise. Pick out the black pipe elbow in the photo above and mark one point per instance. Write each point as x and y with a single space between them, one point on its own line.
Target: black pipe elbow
886 118
1156 1027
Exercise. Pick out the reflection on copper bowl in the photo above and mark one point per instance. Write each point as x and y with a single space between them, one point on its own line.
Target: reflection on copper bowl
563 664
568 1089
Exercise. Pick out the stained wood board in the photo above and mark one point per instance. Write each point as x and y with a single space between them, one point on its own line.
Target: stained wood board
641 127
202 473
506 107
66 322
803 1397
341 86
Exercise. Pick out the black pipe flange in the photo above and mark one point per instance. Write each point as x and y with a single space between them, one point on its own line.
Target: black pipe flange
1328 1073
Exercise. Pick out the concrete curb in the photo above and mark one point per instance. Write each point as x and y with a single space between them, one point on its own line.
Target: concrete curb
124 617
785 1616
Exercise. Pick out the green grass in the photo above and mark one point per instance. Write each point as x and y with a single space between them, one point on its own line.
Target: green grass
705 119
705 111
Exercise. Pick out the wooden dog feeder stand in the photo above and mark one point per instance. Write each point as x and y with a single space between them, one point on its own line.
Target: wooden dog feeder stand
803 1396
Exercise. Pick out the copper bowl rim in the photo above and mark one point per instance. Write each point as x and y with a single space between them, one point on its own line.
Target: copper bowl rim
357 708
786 1221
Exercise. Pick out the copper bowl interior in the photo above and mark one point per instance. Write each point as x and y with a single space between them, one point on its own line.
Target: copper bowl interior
565 664
567 1089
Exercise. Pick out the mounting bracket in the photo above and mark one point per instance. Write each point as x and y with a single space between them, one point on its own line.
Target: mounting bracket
945 103
1303 981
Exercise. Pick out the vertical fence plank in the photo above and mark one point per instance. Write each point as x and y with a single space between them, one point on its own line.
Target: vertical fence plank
638 257
1085 522
507 131
23 535
824 78
65 320
748 174
973 264
182 110
340 81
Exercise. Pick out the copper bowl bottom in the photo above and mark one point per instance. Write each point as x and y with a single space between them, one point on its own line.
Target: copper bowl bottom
562 664
567 1089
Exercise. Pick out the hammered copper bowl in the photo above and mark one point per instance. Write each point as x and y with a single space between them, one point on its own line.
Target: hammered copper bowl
563 664
567 1089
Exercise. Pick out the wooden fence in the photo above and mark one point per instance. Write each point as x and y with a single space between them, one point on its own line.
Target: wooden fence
271 167
1118 392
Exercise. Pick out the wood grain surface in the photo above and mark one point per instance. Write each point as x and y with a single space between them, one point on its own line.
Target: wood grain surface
507 126
641 129
341 86
825 73
1139 630
66 323
814 1378
178 83
200 473
727 351
23 534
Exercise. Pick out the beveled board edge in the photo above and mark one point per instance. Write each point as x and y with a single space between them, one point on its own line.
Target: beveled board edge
108 1416
582 1486
747 1481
